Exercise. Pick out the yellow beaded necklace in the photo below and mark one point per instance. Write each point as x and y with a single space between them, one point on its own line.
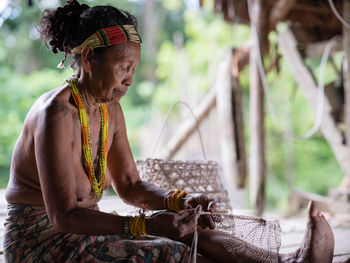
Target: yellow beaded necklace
97 182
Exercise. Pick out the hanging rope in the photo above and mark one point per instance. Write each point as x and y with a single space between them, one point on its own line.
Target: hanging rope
165 120
336 13
320 91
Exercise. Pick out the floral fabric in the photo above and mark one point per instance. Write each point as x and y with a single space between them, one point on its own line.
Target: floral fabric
30 237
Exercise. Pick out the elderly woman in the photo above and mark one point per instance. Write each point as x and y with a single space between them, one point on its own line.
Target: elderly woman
74 145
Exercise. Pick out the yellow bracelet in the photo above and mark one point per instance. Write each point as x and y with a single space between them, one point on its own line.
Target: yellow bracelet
137 226
173 200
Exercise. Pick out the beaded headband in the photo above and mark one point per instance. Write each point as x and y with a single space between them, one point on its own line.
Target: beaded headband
106 37
110 36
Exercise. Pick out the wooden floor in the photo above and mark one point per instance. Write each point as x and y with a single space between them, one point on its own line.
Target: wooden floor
292 228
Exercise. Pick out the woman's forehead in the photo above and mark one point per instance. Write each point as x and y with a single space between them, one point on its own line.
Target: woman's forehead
126 51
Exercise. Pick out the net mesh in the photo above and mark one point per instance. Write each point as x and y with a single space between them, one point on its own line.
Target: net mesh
251 237
247 238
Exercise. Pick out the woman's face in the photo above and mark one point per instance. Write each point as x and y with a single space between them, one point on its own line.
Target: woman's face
114 74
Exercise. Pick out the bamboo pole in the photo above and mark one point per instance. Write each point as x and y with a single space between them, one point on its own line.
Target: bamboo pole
257 164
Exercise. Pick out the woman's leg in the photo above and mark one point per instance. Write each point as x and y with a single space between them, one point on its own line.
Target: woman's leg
318 245
201 259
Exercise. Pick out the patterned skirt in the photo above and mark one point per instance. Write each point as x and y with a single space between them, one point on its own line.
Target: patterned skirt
30 237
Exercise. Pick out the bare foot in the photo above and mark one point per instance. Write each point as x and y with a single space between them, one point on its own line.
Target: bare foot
318 245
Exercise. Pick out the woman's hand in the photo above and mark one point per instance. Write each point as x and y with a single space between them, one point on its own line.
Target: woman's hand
173 225
208 204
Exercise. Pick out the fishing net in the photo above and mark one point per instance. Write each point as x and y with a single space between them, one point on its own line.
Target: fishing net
251 239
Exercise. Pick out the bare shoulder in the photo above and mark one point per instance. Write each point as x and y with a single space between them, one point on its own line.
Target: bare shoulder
52 108
48 118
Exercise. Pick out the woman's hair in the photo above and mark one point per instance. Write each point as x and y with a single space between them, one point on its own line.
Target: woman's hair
70 25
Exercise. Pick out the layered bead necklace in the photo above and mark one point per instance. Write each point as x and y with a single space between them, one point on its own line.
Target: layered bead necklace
97 180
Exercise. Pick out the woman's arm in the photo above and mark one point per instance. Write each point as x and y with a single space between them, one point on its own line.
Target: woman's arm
54 157
125 177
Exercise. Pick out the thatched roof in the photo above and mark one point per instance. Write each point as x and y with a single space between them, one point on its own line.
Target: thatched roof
310 20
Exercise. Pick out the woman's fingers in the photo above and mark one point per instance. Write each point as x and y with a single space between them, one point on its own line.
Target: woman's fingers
217 218
211 206
206 221
188 221
189 214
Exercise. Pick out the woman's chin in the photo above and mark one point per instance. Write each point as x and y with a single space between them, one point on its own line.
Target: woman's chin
118 96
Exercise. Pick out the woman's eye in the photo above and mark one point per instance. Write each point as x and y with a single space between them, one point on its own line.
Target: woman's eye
125 68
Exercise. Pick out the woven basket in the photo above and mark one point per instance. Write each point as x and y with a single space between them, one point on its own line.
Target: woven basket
192 176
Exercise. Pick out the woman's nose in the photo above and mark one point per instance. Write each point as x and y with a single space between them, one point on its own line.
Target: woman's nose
128 80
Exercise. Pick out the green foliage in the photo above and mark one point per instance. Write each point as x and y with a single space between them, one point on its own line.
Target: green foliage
307 164
18 92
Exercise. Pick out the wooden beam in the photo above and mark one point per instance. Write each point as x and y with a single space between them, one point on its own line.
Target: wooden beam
299 199
190 125
316 49
306 83
257 163
279 12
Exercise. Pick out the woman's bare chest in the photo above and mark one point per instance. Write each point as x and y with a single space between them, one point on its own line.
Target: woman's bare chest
84 190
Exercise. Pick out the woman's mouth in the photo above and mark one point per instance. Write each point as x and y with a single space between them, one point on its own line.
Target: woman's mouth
121 91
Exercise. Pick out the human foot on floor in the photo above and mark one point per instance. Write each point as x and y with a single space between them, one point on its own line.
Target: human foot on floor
318 243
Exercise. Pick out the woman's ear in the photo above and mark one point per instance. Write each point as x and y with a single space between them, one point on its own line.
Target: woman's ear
87 54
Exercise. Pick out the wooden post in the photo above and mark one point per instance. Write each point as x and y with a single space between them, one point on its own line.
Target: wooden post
239 139
306 83
230 128
346 44
257 162
226 130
